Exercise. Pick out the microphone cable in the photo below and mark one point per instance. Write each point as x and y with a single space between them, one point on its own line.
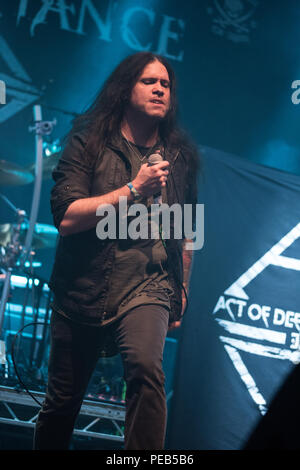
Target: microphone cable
172 263
14 361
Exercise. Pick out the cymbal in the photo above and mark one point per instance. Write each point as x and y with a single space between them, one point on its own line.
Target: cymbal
44 236
12 174
49 163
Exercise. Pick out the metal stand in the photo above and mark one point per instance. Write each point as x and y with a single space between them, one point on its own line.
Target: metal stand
8 260
41 128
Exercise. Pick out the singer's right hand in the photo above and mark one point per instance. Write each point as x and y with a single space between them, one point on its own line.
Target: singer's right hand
150 179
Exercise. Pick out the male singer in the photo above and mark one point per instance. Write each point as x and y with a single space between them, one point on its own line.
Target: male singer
117 295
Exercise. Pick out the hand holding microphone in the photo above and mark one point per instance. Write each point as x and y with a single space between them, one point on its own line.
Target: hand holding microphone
151 177
153 160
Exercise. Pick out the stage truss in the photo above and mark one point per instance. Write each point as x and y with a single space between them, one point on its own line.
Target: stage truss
96 419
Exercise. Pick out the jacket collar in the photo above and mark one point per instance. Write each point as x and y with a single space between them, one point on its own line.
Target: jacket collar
118 144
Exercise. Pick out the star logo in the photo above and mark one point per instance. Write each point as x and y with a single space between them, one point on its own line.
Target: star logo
19 89
278 333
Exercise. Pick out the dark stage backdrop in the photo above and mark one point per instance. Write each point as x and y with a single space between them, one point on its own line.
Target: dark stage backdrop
238 69
237 64
240 336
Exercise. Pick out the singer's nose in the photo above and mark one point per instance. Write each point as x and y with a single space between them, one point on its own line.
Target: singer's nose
158 89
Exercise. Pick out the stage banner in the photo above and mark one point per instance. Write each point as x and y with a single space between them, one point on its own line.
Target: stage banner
240 336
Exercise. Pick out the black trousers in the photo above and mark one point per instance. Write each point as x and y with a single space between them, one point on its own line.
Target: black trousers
140 336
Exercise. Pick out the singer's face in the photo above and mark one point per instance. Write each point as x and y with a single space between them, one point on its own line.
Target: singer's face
151 93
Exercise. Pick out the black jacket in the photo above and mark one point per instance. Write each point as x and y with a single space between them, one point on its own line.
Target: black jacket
83 262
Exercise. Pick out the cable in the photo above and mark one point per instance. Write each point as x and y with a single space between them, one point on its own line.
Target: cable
14 362
172 264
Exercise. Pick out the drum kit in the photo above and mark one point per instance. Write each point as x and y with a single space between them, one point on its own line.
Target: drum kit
24 295
19 243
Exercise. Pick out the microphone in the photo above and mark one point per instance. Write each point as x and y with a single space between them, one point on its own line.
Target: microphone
153 159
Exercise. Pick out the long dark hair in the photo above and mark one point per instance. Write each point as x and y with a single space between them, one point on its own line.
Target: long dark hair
103 117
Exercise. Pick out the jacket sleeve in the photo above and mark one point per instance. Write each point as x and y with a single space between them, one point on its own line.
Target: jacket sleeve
72 177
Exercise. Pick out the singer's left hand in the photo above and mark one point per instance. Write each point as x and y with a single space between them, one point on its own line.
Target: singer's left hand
174 324
177 324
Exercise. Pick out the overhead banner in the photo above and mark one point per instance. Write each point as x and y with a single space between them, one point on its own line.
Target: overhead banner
240 337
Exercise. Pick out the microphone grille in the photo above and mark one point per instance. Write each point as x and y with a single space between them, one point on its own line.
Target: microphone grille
155 158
